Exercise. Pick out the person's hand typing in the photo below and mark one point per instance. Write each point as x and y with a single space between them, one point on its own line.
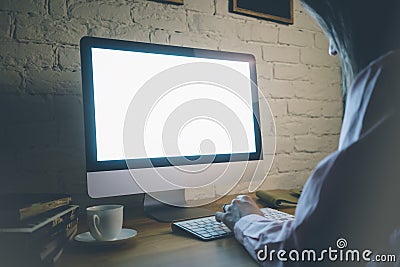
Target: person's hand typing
241 206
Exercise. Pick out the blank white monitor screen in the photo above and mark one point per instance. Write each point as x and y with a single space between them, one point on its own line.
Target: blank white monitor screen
118 75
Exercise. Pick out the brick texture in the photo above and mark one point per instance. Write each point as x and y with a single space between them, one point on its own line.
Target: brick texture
41 138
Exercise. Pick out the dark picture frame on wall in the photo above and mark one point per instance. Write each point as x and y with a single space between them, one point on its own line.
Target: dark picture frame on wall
274 10
176 2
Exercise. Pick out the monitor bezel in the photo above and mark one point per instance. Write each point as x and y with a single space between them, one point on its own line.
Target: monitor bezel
92 165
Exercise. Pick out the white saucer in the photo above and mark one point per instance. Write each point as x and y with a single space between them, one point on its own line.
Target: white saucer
122 237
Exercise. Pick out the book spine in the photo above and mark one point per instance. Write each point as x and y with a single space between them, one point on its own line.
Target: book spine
34 225
45 253
50 228
57 225
12 215
59 240
39 208
52 258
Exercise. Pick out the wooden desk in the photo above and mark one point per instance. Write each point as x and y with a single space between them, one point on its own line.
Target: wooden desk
157 245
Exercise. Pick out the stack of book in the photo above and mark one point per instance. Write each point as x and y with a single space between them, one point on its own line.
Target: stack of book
34 228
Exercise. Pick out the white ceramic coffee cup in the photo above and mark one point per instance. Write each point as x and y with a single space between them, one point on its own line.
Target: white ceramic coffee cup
105 221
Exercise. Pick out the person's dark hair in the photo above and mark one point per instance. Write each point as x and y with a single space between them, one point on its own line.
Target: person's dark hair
362 30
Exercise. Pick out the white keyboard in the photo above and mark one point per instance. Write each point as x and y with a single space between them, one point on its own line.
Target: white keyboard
276 215
207 228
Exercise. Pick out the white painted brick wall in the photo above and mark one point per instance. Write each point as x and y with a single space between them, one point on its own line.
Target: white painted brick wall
321 41
274 53
295 37
37 56
316 57
98 11
5 22
313 108
9 80
291 72
41 138
153 15
68 58
31 6
254 31
203 6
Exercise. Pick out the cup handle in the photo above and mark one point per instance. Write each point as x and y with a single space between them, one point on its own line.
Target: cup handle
95 222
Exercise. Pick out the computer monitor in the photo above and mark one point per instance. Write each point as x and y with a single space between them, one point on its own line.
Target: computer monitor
153 111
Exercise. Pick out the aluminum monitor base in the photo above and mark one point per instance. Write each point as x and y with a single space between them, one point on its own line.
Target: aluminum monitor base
167 213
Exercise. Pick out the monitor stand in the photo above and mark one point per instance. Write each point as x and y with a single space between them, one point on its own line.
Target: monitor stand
168 213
